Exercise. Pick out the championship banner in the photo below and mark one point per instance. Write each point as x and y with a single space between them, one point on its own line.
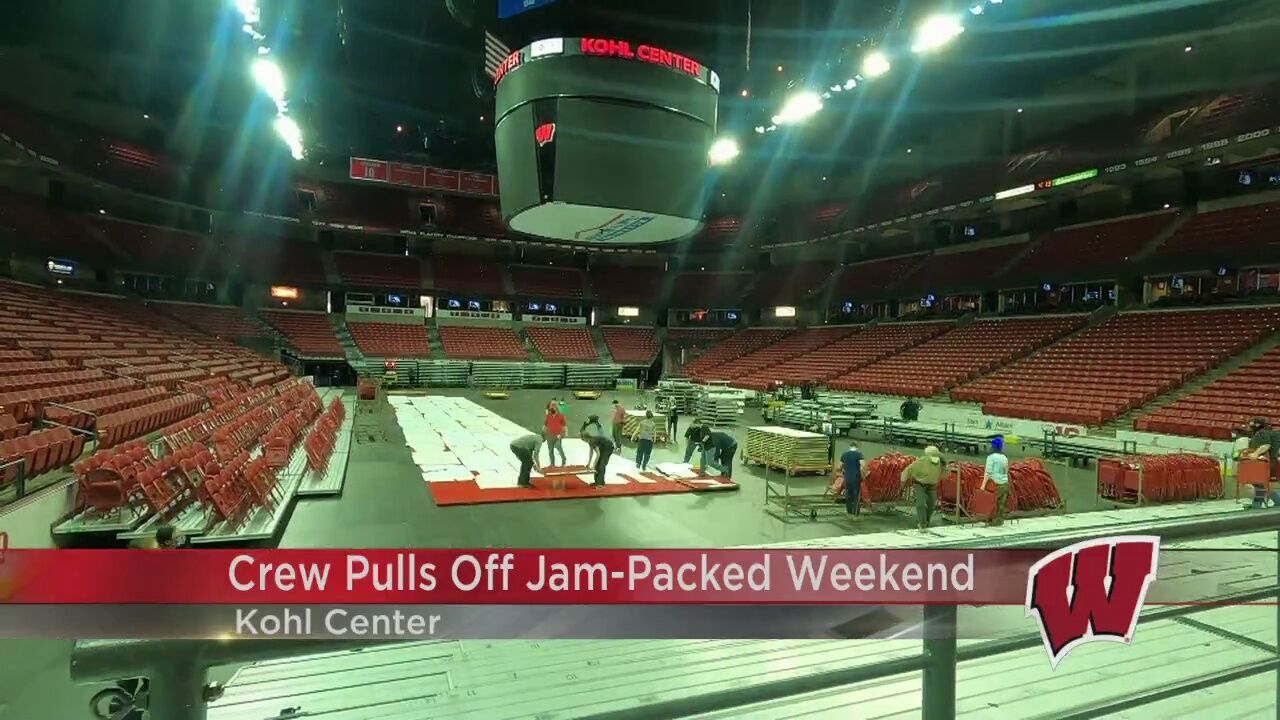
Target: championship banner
421 176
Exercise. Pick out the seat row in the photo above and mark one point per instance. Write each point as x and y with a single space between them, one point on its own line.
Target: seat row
1124 363
563 343
324 436
1225 405
957 355
116 427
481 343
630 345
39 452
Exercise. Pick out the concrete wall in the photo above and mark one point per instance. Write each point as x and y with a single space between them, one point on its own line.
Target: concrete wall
27 522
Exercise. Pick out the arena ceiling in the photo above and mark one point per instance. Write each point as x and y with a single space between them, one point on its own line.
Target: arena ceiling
386 78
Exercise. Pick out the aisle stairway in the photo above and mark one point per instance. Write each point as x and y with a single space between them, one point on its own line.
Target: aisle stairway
601 346
525 342
1163 236
1125 422
348 344
101 237
331 274
433 338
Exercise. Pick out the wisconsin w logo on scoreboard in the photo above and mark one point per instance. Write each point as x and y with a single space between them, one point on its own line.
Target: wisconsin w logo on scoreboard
1090 591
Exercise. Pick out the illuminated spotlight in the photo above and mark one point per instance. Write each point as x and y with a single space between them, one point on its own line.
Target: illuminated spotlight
760 129
875 64
935 32
779 68
908 151
799 107
850 84
773 127
264 50
146 116
291 134
1019 111
249 10
399 128
745 93
837 87
268 76
1186 49
996 2
723 150
977 9
826 96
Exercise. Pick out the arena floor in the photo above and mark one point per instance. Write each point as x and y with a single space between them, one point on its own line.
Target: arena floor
385 503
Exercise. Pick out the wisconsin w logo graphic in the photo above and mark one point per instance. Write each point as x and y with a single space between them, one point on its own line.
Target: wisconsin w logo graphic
1093 590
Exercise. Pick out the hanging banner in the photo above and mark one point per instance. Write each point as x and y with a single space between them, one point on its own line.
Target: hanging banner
421 176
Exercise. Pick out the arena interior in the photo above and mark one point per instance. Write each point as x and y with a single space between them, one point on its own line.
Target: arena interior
285 306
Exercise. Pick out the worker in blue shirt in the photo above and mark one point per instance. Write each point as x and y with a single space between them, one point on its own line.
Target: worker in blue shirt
854 465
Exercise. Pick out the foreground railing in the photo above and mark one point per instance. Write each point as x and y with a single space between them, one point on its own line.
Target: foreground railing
179 687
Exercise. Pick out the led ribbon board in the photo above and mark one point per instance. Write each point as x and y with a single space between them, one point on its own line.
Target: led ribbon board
1074 178
607 47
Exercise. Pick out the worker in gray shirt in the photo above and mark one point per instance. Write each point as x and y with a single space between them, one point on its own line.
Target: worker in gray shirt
525 448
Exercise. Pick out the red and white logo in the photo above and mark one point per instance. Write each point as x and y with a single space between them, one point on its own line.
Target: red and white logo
1090 591
545 133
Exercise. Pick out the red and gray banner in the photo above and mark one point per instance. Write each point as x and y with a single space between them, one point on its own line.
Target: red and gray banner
765 593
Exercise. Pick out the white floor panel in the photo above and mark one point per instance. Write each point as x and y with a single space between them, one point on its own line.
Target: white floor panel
453 439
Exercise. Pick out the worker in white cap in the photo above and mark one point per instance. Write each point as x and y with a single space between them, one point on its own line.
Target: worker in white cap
924 475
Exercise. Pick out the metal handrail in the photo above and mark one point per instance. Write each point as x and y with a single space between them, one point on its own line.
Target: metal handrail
19 485
178 669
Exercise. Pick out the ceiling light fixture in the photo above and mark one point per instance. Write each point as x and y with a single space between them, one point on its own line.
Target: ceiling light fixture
936 32
723 150
875 64
799 107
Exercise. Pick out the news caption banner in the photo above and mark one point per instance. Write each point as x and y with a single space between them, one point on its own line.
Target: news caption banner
537 594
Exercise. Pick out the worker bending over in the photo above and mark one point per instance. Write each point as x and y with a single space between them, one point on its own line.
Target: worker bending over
525 448
602 449
924 474
693 439
591 427
997 473
722 447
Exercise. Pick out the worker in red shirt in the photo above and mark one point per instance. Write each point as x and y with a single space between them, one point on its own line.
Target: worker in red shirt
619 420
553 430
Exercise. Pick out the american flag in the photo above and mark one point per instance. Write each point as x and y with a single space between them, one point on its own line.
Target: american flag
494 53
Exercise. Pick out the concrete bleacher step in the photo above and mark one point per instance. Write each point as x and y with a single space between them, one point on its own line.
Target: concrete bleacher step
1036 240
602 348
331 274
1235 362
434 341
348 343
527 344
1163 236
101 238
